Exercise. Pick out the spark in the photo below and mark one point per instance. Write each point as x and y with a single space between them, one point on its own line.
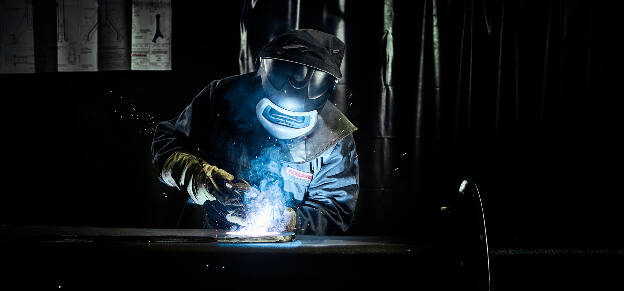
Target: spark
127 111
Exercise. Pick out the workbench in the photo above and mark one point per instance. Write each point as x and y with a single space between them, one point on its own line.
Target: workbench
88 258
82 258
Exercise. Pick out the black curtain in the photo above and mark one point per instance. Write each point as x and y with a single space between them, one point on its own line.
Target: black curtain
520 97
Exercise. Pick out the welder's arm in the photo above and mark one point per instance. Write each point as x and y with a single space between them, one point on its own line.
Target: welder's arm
329 206
175 149
185 132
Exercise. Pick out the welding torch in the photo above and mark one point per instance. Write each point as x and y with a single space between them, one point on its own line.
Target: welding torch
236 188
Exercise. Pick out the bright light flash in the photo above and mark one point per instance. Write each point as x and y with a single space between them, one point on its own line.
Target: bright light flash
264 210
252 232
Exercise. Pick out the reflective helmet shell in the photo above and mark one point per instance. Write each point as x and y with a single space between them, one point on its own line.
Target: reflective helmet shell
296 87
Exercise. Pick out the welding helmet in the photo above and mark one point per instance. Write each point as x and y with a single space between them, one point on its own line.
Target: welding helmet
295 94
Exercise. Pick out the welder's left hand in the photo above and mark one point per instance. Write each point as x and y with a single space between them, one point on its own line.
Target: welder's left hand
289 219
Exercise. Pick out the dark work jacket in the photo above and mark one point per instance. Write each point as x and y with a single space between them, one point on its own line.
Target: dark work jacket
319 171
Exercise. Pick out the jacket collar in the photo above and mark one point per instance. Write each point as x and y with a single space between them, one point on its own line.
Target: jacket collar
331 127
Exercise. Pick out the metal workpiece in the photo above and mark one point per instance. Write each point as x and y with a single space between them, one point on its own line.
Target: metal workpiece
230 237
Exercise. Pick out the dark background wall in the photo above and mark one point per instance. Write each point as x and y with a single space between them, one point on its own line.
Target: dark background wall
526 103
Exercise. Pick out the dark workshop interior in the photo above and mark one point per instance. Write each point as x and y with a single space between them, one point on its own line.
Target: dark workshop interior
518 103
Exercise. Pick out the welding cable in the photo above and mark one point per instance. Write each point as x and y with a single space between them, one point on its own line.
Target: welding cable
487 247
476 197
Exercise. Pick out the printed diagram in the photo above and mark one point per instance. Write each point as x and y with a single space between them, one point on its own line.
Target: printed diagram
17 54
107 13
114 48
77 35
91 35
151 35
158 33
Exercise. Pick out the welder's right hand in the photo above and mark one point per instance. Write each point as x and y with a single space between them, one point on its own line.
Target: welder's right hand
201 180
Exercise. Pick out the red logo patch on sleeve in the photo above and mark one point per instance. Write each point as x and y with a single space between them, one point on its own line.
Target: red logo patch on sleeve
299 174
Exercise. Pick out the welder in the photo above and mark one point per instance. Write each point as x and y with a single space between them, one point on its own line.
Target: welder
276 124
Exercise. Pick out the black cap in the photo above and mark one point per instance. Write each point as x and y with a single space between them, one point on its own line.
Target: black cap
309 47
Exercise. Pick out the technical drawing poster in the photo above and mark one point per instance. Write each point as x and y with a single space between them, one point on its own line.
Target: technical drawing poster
17 54
76 31
151 35
114 45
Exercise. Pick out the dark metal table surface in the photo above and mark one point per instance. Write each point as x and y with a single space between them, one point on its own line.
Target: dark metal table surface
87 258
206 240
105 258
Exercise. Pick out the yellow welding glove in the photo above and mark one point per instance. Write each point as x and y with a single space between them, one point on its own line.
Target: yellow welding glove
200 179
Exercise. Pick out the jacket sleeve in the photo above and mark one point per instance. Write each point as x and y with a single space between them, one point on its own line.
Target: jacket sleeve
329 205
184 132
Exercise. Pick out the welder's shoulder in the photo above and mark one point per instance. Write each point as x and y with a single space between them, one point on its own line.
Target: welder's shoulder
344 147
221 87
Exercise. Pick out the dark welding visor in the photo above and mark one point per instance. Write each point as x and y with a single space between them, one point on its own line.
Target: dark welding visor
296 87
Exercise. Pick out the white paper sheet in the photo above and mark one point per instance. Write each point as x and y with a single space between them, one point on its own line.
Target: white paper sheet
77 35
17 53
114 45
151 35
